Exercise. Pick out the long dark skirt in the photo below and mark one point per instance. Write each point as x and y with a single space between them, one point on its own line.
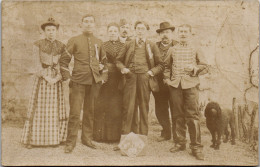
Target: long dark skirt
107 117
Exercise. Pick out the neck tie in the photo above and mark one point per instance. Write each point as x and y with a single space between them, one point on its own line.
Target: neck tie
140 42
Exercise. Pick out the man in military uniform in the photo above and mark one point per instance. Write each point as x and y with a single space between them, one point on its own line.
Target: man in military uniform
140 62
88 74
162 97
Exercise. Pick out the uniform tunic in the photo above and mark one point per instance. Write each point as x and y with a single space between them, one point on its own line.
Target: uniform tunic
88 53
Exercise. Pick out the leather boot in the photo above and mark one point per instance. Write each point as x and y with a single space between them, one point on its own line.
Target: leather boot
177 148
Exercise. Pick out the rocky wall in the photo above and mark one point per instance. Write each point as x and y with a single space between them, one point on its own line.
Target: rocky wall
226 31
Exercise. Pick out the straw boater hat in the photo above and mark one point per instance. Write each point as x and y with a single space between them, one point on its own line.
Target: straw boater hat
165 26
49 22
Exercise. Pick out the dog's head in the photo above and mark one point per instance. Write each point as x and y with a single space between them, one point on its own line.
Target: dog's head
212 110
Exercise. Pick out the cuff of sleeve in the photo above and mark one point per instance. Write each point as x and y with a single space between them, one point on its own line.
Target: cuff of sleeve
153 71
65 75
58 77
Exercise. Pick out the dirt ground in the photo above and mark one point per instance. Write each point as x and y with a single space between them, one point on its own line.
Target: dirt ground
13 153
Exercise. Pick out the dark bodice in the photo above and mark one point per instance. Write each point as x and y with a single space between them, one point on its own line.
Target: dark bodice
112 48
49 52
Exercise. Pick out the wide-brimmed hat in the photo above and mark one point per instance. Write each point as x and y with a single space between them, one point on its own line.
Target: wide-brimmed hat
165 26
50 21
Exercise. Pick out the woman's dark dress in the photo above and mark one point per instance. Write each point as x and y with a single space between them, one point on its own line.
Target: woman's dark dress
107 117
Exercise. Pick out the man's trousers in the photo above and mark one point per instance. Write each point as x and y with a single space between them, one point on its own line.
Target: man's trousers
185 112
163 109
86 96
136 94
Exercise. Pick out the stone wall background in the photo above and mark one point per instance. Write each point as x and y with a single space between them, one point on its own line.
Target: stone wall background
226 31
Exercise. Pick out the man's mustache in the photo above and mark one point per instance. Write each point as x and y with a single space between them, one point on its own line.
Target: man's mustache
165 37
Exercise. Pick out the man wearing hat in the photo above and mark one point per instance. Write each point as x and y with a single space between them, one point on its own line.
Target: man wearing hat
162 97
89 73
124 28
140 62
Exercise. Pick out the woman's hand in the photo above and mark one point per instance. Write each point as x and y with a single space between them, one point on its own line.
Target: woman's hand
50 81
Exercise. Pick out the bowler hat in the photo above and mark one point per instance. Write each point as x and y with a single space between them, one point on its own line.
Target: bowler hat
49 22
165 26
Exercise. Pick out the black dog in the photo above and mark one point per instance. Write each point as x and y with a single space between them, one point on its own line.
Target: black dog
217 122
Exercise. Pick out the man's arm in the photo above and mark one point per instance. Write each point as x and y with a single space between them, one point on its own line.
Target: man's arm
168 64
121 58
202 64
159 65
65 60
104 64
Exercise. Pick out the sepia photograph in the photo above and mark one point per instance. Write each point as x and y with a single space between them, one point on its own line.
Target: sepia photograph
130 82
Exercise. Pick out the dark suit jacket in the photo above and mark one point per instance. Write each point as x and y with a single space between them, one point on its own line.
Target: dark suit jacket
153 57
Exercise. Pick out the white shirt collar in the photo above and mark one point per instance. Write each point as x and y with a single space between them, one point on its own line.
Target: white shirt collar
137 39
166 44
122 39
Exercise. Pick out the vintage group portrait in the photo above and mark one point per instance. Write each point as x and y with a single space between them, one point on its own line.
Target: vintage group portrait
130 82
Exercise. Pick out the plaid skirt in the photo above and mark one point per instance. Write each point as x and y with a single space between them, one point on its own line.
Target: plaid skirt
46 122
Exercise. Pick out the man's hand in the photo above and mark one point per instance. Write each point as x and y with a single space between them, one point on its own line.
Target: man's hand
150 73
196 69
192 69
125 70
189 68
166 81
101 66
102 82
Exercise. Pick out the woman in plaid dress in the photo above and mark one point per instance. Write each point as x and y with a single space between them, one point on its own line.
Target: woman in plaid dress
107 119
46 122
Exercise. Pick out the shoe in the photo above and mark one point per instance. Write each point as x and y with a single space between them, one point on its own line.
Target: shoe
160 139
68 149
178 148
216 147
29 146
89 144
116 148
198 155
54 146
